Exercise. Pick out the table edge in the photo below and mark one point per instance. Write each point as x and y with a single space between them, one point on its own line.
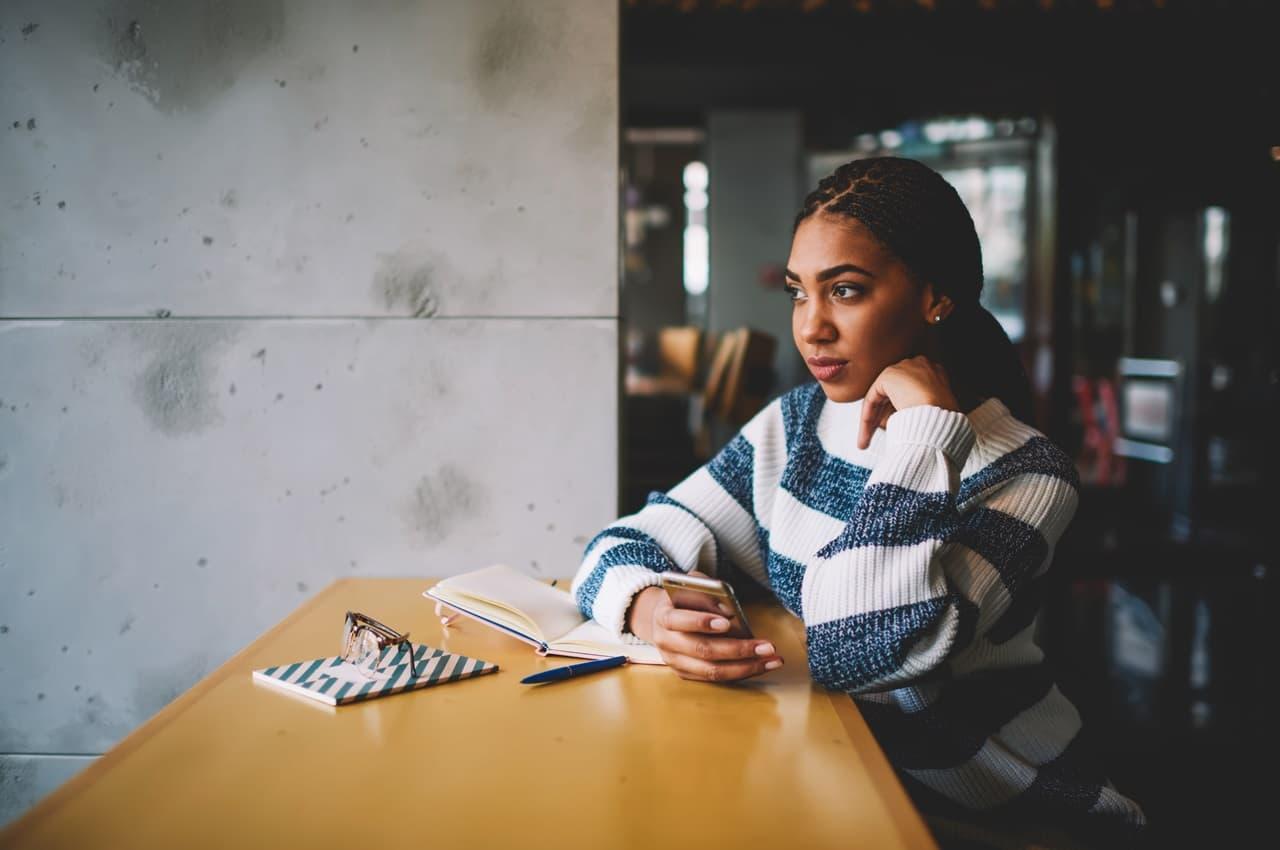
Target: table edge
907 819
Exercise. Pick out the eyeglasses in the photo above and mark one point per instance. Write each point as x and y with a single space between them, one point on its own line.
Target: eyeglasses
364 641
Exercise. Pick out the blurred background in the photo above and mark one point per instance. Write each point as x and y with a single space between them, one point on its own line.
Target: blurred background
1121 161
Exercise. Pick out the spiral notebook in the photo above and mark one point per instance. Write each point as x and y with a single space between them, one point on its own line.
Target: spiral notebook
333 682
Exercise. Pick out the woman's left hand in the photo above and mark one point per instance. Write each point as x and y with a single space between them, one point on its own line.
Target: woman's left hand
907 383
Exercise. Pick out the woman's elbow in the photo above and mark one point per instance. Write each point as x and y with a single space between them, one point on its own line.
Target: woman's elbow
884 649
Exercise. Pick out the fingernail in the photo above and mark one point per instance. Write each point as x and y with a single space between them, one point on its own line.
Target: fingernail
719 624
774 664
764 649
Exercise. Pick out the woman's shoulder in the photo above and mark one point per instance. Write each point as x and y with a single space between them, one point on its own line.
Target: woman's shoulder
1006 448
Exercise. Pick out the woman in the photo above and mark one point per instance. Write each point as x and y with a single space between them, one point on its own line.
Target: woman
900 506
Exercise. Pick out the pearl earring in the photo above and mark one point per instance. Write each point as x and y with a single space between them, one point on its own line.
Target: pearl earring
937 318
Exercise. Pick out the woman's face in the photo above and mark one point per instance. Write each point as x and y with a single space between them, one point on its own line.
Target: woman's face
852 301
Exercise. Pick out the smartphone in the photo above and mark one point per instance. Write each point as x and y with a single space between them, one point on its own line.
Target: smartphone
707 594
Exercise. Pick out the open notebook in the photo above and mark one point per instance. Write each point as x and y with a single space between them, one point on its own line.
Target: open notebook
534 612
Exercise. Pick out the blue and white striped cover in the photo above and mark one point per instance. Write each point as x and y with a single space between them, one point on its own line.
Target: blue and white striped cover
320 678
917 566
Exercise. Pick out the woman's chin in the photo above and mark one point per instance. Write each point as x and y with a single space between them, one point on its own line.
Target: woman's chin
841 393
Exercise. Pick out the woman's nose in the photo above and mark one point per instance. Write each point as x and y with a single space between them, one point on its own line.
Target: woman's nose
815 325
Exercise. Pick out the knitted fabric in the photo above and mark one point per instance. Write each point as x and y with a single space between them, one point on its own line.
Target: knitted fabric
917 566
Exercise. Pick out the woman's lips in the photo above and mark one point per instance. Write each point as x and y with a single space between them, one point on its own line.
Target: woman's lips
826 368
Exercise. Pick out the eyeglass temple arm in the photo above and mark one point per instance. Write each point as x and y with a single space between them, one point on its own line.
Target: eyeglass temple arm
412 662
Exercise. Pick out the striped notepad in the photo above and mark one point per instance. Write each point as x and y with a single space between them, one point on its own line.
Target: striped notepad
331 681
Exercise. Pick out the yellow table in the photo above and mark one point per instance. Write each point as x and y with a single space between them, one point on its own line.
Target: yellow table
633 757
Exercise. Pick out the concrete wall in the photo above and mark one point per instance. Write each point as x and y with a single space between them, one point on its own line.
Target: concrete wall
289 291
755 165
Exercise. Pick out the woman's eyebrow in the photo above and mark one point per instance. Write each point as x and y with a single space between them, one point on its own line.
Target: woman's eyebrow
827 274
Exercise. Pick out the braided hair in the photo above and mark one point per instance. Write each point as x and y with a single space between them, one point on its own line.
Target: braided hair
919 217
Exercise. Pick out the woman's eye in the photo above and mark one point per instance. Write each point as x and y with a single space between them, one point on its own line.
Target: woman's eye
842 290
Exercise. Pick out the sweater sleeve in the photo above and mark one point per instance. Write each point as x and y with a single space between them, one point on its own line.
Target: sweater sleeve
702 522
887 602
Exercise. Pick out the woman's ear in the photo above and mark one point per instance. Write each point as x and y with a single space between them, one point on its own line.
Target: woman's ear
934 307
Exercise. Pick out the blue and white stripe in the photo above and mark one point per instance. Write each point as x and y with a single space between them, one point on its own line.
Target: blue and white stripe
917 565
320 678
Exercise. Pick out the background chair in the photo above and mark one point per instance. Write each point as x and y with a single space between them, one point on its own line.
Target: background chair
739 379
680 353
706 386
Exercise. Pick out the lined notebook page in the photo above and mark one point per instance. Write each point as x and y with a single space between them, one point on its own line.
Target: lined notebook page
593 637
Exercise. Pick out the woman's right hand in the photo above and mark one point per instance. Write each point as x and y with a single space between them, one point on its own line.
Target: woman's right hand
692 644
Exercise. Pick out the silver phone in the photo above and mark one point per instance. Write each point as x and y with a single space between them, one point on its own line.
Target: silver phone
707 594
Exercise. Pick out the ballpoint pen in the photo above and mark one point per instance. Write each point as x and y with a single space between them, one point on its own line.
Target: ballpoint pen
556 674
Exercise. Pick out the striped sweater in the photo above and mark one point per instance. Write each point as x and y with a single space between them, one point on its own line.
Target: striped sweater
917 566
